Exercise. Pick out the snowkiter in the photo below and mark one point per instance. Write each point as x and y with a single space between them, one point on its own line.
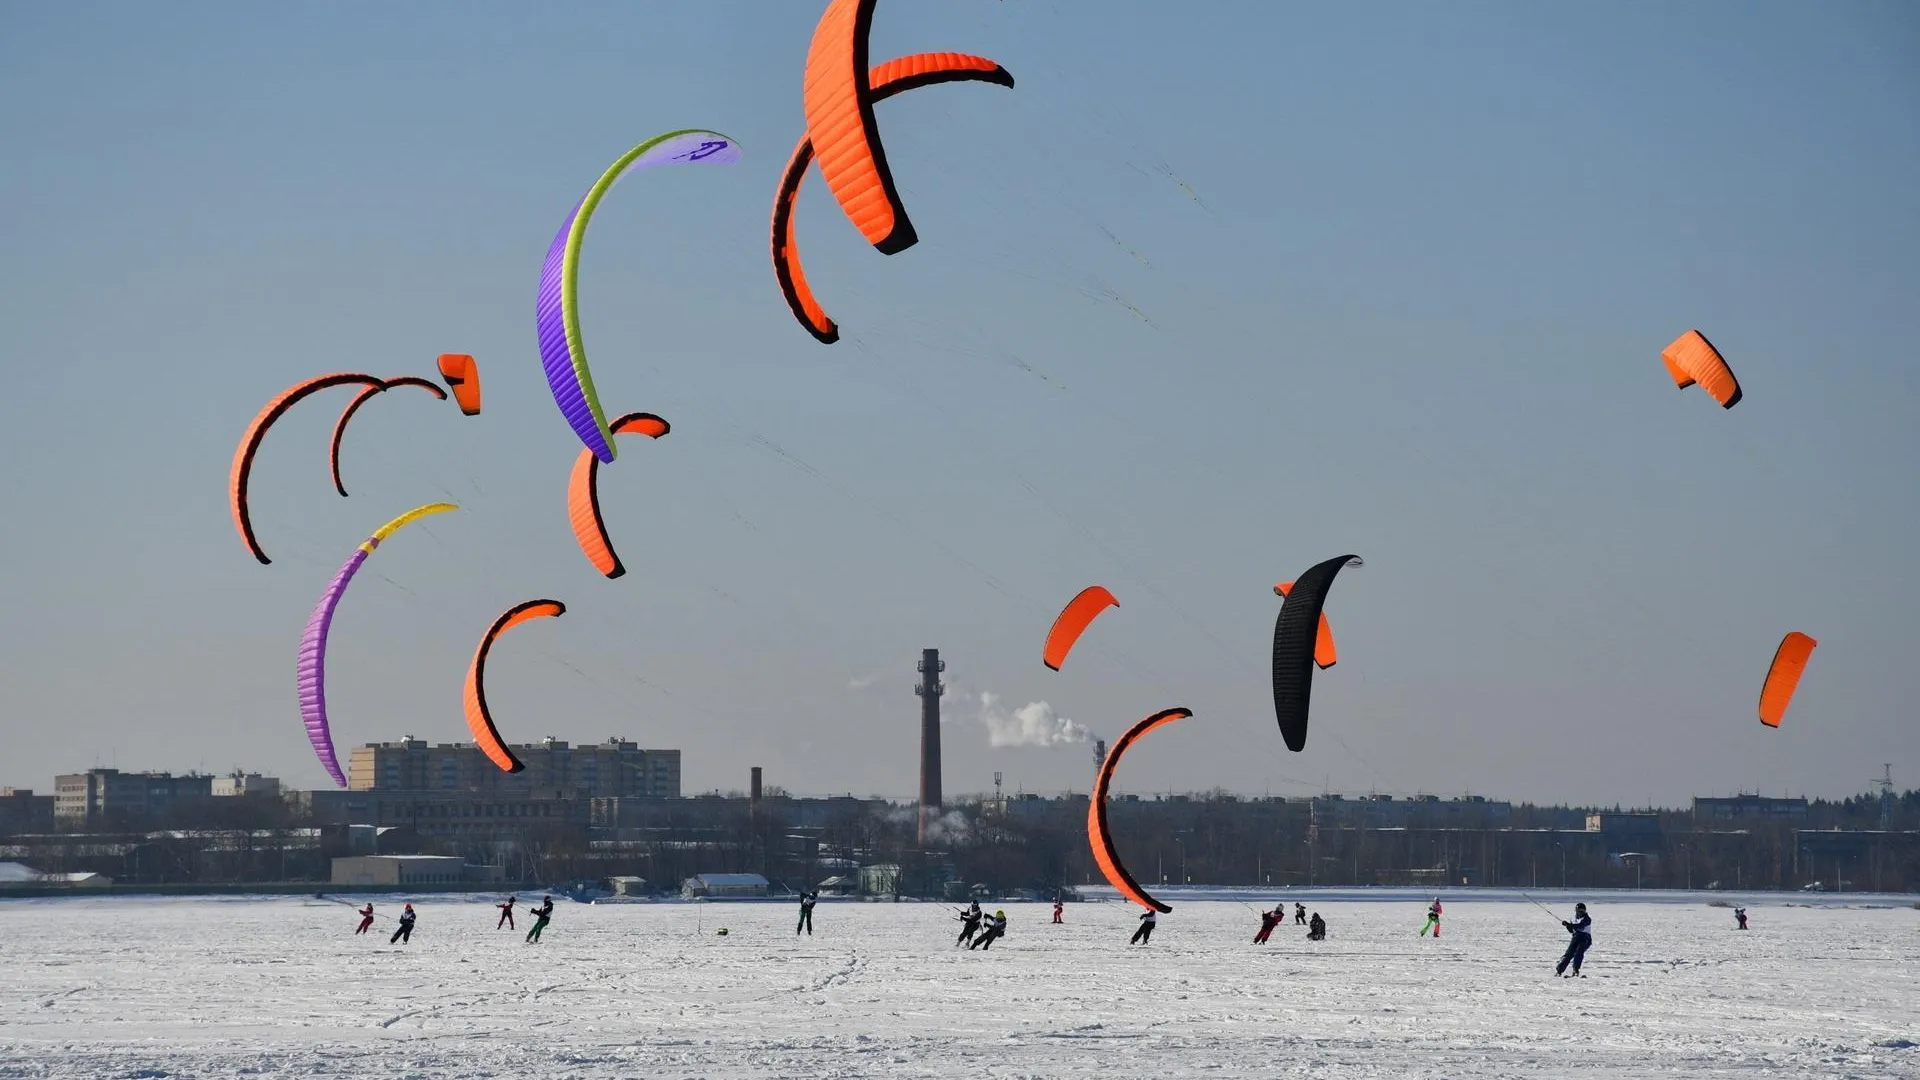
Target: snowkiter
1433 919
807 900
1582 930
1058 909
996 929
366 918
1740 917
1299 914
1317 928
506 913
1145 933
404 933
969 923
1269 920
541 915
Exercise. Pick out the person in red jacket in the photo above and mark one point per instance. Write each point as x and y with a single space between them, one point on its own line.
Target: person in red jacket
1433 919
366 917
1269 920
506 913
1058 908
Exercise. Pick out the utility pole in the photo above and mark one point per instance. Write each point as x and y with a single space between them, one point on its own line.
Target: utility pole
1885 783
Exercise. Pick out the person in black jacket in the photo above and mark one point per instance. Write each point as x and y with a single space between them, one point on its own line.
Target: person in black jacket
807 900
1145 934
969 923
1582 930
996 929
404 932
541 916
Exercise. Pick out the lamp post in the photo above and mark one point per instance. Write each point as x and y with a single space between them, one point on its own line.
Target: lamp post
1563 863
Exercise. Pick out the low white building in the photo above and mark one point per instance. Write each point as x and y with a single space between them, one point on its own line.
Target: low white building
410 870
20 875
723 886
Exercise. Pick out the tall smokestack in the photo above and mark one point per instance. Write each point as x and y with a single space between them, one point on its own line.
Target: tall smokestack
753 789
930 689
1099 756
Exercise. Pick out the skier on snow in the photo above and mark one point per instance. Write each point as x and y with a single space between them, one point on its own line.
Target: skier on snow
969 923
1145 933
1582 930
996 929
366 917
403 934
1433 919
807 901
1299 914
1269 920
1317 928
1058 908
541 915
1740 917
506 913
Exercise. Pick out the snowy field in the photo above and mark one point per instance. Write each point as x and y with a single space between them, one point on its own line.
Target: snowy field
279 987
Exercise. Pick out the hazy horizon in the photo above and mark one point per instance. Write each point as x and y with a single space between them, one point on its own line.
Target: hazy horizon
1209 296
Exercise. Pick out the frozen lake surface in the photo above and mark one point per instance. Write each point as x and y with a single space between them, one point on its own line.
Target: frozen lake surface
280 987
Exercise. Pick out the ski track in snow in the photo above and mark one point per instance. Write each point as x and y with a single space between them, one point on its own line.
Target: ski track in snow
231 987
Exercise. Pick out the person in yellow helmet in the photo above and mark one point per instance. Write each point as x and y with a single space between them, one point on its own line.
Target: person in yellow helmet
996 928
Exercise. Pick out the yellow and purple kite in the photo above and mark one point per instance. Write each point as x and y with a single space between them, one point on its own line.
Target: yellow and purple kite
313 643
557 309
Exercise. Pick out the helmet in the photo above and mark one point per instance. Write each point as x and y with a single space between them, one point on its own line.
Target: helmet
1001 914
1579 907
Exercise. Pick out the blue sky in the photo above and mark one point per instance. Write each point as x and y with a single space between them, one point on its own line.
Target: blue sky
1214 293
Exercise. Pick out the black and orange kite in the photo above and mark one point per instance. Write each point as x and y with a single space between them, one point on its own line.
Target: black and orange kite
1296 638
840 93
480 718
583 495
366 394
1098 836
459 370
